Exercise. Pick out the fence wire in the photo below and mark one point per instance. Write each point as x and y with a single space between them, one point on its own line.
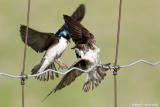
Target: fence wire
81 70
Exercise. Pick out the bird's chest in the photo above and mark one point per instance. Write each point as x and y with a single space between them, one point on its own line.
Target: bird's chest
57 49
92 55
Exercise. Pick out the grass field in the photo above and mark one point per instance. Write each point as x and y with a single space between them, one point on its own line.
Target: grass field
139 39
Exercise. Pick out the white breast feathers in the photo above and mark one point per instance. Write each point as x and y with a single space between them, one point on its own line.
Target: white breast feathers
92 55
55 51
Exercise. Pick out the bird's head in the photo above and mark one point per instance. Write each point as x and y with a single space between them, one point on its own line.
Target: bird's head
63 32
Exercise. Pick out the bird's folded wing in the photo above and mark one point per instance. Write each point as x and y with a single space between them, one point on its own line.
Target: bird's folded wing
38 41
71 76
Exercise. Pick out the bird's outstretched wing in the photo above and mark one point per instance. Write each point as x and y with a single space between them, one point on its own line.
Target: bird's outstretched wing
79 13
79 34
70 76
38 41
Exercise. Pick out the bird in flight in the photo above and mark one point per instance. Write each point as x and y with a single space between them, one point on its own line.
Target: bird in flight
88 54
53 45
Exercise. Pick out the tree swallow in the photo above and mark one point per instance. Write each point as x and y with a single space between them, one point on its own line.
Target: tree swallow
88 54
53 44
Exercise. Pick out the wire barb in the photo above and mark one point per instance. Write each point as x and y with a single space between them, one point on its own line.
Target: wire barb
23 78
115 69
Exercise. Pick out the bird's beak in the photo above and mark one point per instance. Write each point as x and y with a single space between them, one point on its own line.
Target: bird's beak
69 41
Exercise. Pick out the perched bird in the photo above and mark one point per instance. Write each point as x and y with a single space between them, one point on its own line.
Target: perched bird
53 44
88 54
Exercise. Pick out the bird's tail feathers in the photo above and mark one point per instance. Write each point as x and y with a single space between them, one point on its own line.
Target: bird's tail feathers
46 76
101 72
94 78
91 81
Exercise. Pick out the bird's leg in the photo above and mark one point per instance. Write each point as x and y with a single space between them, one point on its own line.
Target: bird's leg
61 64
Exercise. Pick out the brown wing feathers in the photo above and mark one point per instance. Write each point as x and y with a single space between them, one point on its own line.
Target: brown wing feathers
71 76
79 34
79 13
37 40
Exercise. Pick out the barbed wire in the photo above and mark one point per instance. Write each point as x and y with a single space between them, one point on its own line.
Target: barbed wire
81 70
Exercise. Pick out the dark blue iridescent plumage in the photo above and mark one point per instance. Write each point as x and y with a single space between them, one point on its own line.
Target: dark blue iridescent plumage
63 32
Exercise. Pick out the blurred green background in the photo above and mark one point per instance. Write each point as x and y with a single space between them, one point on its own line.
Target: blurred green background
139 39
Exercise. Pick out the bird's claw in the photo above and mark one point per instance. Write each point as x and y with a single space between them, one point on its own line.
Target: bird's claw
62 66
